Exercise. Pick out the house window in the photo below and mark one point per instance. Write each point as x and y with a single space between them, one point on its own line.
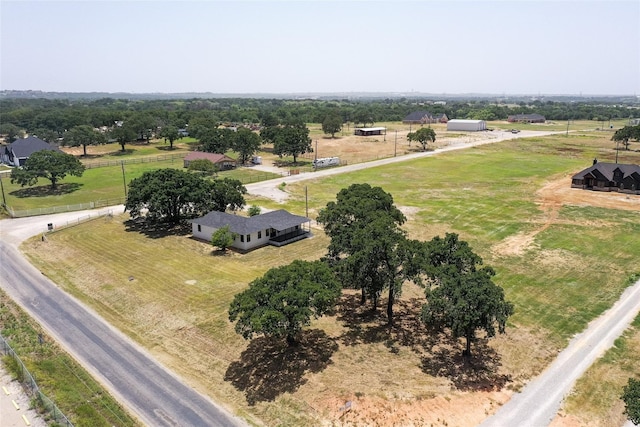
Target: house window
260 234
199 227
242 238
248 238
297 227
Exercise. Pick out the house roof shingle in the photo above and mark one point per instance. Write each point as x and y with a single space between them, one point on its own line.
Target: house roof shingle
25 147
213 157
605 170
420 115
278 220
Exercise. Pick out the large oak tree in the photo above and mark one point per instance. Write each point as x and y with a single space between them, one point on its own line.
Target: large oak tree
625 134
170 133
48 164
423 136
83 135
284 300
292 140
172 195
246 143
332 124
463 297
366 241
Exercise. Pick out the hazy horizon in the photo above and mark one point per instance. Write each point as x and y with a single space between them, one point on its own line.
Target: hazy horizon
537 48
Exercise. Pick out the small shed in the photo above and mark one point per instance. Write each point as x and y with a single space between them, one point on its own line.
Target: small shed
467 125
222 161
370 131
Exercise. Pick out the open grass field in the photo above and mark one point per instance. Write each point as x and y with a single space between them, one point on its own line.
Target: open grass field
104 183
562 255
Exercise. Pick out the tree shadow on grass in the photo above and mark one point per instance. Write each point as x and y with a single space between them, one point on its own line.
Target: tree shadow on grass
270 367
479 372
157 230
441 354
126 152
45 190
166 147
365 326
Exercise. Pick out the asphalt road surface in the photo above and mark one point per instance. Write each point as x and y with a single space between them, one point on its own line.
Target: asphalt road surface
159 398
151 392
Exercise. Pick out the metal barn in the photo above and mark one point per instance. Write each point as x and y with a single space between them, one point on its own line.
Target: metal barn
467 125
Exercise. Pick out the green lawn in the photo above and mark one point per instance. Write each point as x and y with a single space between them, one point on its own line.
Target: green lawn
572 270
99 184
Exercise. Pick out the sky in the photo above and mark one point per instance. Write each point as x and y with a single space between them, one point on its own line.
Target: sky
242 47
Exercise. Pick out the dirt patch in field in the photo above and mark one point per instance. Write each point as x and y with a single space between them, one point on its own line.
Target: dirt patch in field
375 411
357 149
551 198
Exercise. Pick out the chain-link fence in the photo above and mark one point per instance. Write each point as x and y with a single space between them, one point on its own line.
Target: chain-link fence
31 388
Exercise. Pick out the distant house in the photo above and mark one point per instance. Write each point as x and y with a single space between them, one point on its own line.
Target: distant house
424 117
370 131
222 161
624 178
17 153
466 125
277 228
526 118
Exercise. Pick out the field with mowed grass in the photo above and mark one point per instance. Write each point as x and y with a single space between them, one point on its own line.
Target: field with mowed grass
561 261
105 184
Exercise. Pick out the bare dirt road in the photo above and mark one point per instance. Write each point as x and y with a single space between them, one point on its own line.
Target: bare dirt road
540 400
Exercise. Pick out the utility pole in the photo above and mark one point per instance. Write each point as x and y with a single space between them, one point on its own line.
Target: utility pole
4 200
395 144
306 203
124 180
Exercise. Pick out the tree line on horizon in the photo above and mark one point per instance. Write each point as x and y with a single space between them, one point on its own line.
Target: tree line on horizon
51 118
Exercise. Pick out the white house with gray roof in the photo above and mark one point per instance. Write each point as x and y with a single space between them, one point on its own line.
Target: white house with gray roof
276 228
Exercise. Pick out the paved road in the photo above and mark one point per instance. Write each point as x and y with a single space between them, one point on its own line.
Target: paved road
84 334
152 393
270 188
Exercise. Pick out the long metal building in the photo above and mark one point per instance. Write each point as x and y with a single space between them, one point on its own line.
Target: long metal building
467 125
